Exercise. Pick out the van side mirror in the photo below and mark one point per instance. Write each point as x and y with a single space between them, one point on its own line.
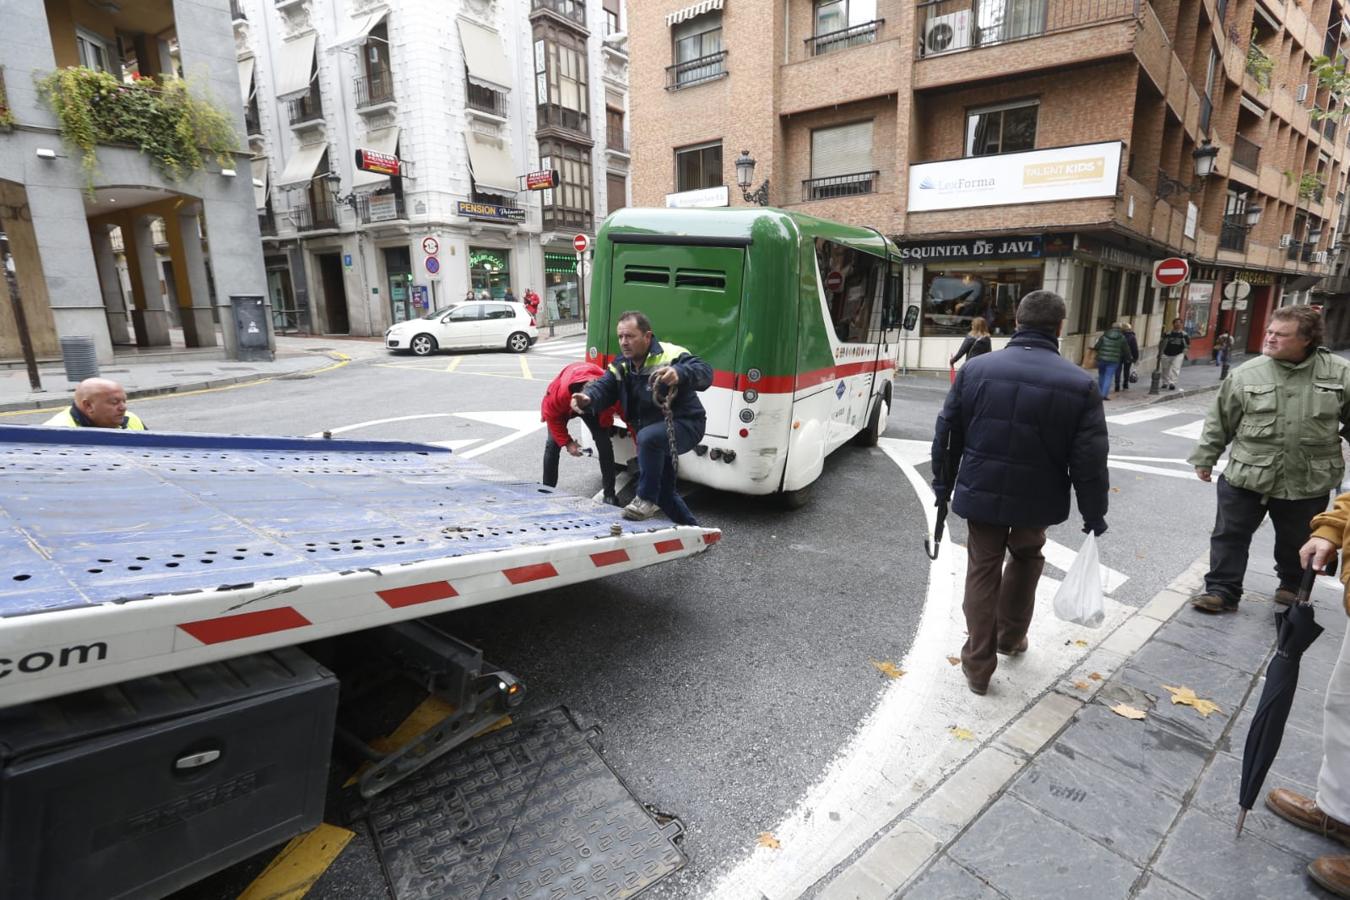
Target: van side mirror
911 318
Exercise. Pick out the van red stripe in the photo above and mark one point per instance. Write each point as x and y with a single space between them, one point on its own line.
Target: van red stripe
398 598
609 557
669 546
537 572
245 625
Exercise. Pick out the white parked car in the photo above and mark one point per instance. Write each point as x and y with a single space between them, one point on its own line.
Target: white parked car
479 324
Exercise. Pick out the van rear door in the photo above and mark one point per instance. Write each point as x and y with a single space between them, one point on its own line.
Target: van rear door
692 294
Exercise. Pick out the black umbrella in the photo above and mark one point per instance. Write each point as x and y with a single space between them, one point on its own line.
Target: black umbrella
1295 629
932 546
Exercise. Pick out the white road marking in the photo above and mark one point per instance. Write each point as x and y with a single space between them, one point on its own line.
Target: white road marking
520 422
1190 431
455 445
1147 414
1062 557
904 747
346 428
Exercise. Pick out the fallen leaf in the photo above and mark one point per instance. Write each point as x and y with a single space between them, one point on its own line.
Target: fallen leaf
889 669
1080 643
1115 490
766 839
1095 676
1186 697
962 734
954 660
1129 712
1081 685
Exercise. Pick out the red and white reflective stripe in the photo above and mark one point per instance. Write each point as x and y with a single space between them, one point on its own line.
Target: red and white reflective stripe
418 593
245 625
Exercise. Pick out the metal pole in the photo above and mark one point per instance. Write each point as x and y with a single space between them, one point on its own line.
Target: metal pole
20 319
581 287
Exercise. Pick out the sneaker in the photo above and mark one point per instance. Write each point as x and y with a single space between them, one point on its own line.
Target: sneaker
1213 603
640 510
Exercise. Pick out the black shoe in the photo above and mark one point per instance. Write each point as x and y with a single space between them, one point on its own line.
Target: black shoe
1213 603
611 500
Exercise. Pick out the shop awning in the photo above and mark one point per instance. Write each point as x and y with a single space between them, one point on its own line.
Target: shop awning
493 170
260 186
383 141
484 57
245 79
302 166
1301 282
358 31
690 12
295 69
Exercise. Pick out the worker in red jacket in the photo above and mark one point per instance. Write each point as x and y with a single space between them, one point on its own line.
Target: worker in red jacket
557 409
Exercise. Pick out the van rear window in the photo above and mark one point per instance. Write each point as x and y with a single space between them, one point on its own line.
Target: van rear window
695 278
646 275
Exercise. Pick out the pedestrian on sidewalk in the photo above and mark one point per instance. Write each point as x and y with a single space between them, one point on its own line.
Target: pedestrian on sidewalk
531 302
98 403
1329 813
976 343
1223 344
1175 343
1111 348
556 409
1020 426
1283 413
1129 360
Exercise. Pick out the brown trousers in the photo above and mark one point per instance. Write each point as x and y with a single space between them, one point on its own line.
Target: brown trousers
999 601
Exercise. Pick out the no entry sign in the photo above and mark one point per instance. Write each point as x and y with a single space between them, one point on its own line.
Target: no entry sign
1171 272
834 282
581 243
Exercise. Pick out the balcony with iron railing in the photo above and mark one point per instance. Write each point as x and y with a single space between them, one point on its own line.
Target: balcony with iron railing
374 90
569 10
616 139
306 110
1329 128
386 207
314 216
853 36
1233 234
836 186
696 71
1294 250
948 26
485 100
551 115
1246 154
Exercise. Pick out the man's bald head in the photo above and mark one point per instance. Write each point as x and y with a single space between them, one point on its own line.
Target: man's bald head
102 401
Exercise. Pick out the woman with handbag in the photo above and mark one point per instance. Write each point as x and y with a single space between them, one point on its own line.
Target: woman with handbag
1124 375
977 342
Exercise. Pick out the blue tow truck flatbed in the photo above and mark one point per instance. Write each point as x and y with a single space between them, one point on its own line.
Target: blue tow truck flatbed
133 553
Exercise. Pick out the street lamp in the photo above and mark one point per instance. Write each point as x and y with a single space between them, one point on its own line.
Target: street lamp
745 176
1203 158
1252 215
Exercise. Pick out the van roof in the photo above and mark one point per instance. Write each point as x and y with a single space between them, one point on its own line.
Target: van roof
744 223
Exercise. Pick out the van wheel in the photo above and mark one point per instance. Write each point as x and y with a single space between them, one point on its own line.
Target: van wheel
876 424
796 499
423 345
518 342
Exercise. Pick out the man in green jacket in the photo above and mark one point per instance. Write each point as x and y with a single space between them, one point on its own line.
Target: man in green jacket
1283 413
1111 349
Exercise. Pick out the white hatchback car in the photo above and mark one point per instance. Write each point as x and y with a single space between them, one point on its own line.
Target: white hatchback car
479 324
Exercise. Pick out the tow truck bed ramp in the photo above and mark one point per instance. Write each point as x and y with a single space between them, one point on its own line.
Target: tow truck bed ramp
125 554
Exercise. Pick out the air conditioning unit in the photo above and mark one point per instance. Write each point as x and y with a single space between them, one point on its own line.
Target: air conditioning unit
945 34
1286 240
1301 93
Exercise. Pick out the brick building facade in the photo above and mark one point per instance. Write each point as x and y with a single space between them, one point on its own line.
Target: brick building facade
1010 145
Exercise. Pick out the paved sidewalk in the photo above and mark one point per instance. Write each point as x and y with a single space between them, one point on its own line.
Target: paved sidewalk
1073 800
1200 377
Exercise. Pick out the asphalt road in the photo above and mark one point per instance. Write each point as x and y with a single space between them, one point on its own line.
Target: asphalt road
726 683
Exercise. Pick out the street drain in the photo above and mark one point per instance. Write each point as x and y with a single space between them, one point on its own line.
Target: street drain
527 811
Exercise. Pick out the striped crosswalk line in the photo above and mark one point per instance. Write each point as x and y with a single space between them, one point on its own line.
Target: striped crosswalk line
1190 431
1147 414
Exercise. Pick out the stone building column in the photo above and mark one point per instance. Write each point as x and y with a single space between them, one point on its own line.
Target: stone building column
199 329
109 284
149 319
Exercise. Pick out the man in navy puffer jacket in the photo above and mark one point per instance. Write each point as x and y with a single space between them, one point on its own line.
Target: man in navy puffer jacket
1019 427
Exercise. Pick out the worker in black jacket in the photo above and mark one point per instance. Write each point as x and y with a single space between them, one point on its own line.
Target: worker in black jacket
1020 426
629 380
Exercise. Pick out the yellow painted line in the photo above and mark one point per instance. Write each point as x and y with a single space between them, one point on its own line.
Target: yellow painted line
342 360
427 714
454 364
525 368
299 865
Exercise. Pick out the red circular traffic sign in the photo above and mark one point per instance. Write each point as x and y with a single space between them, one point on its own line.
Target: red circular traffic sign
581 243
1171 272
834 281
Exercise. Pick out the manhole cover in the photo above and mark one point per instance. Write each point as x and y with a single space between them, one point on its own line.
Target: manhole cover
529 811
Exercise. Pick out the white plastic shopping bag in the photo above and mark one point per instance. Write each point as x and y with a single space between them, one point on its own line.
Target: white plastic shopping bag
1079 599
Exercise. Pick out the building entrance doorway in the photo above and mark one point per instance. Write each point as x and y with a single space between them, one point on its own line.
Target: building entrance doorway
334 293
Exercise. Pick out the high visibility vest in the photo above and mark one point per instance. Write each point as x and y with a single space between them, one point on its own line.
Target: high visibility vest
63 419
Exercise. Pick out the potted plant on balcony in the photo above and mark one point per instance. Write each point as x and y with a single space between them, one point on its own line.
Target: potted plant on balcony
159 116
1259 65
1309 186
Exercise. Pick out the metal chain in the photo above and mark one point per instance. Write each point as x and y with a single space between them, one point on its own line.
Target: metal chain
664 404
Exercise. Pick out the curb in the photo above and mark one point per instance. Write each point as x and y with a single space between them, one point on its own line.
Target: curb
902 852
341 359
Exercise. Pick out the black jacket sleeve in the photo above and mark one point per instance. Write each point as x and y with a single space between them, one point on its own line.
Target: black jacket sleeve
949 441
1087 460
605 390
694 372
965 348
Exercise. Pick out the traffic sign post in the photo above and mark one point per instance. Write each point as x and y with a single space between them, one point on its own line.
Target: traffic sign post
581 244
1171 272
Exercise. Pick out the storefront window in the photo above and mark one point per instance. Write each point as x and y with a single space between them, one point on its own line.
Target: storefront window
1199 297
561 300
489 272
955 295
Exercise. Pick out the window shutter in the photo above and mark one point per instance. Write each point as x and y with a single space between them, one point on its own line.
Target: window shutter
841 151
